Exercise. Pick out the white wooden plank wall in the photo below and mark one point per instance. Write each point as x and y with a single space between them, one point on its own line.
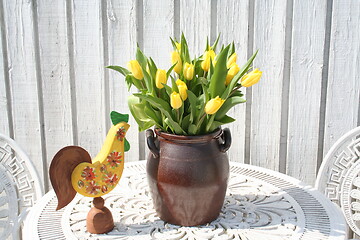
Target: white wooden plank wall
121 38
55 91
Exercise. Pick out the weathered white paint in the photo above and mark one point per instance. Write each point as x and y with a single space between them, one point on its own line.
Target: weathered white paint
89 75
342 103
195 22
55 76
19 28
4 118
236 30
78 38
307 55
269 37
158 26
121 22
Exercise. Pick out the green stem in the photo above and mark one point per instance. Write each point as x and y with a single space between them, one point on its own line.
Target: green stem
208 126
178 115
234 90
200 121
142 84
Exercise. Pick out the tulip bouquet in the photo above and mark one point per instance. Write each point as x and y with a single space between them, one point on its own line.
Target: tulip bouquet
193 96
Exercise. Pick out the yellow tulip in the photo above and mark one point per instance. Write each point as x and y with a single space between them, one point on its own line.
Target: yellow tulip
234 69
175 57
188 71
175 100
214 105
251 78
160 78
182 89
135 69
178 46
231 60
205 64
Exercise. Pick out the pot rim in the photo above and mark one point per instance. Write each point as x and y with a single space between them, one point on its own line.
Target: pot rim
188 138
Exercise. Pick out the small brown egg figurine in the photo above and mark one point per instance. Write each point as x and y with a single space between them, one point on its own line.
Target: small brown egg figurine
72 170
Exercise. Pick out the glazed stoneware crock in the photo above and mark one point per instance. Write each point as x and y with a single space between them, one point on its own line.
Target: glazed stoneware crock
188 175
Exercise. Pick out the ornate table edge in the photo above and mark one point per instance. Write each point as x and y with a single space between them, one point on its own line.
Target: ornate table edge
338 227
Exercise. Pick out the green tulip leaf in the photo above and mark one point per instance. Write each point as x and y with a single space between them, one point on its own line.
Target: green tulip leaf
149 83
174 86
170 69
228 104
217 82
130 79
119 69
173 43
168 89
184 49
231 50
151 114
140 57
193 101
137 111
193 129
186 122
216 43
152 67
207 47
217 123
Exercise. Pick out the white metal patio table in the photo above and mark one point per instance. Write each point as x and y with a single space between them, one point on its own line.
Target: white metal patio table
259 204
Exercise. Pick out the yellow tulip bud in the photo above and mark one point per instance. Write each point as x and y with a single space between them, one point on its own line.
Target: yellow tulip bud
234 69
160 78
175 100
135 69
182 89
251 78
188 71
178 46
231 60
213 105
205 64
175 58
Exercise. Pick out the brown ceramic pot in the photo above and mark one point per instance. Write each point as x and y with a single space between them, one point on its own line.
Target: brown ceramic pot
188 175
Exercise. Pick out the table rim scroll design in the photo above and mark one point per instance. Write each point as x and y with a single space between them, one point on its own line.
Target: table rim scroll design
336 228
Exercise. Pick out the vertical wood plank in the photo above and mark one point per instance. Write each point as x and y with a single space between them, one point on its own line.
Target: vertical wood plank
55 76
121 18
232 24
89 75
342 102
269 37
195 22
4 119
19 27
307 53
158 27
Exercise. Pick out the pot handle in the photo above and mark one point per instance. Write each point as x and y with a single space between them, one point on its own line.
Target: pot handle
150 140
226 136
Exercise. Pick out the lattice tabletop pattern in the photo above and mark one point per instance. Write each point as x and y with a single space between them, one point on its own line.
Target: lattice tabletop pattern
260 204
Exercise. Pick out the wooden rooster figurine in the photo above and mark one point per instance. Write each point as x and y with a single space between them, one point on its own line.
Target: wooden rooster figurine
72 170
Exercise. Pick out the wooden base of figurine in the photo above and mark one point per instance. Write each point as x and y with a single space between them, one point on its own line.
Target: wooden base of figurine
99 219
